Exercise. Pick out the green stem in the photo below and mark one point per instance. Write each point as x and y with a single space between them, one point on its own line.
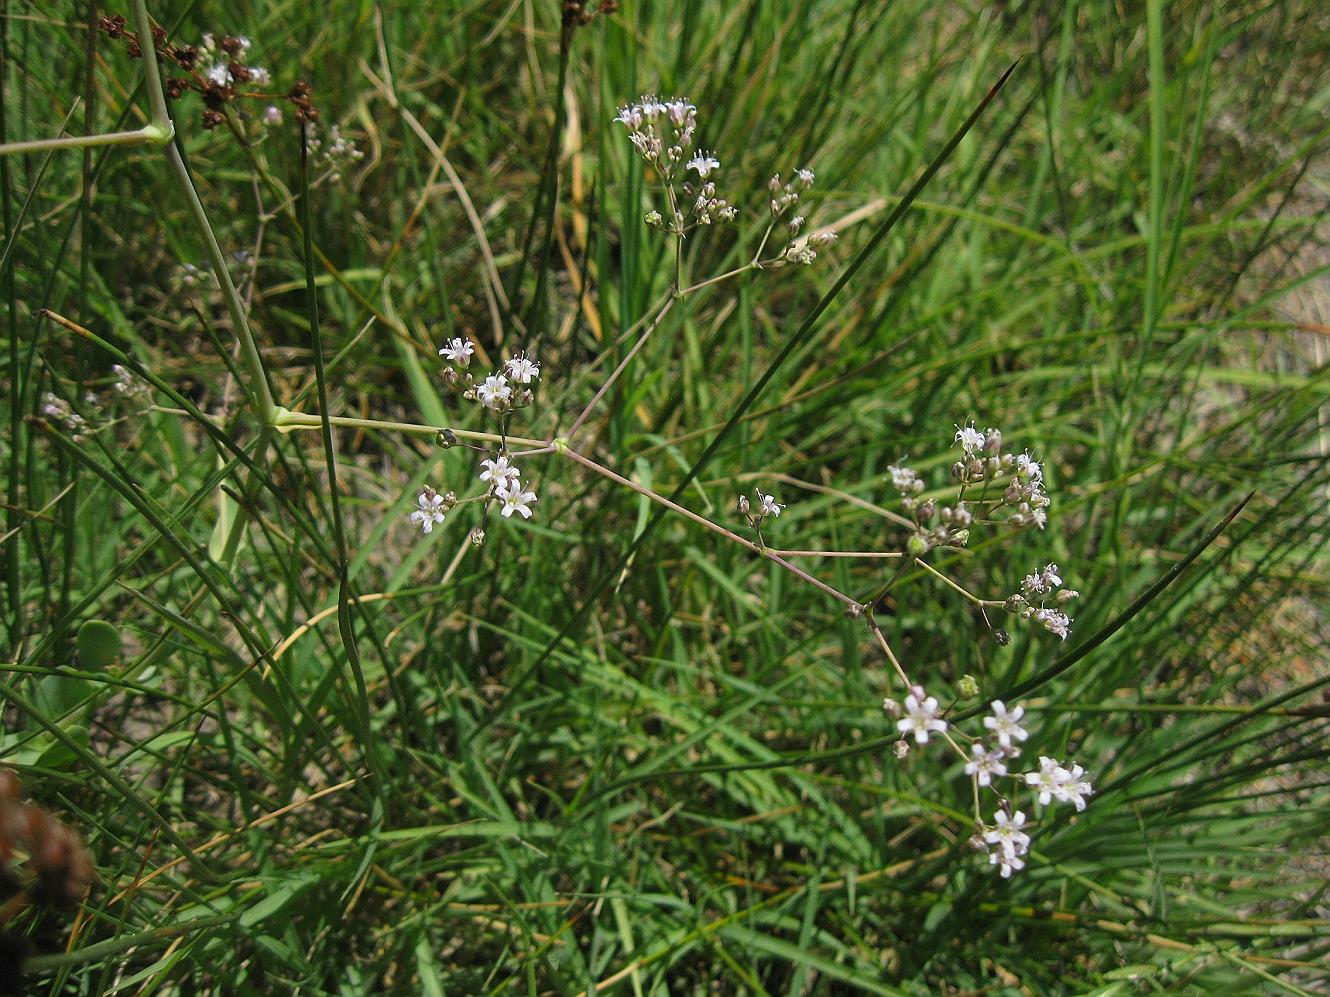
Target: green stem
114 946
151 134
260 396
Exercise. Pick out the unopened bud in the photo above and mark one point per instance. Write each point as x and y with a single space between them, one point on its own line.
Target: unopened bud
477 536
446 438
891 708
901 748
1002 637
967 687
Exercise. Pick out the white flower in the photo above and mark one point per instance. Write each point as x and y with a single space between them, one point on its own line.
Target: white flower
630 116
921 717
515 500
1006 725
1049 781
430 509
1007 863
985 764
1075 788
969 438
769 506
272 115
679 111
1027 467
244 43
902 477
494 391
1007 835
522 370
498 473
1054 621
218 73
458 351
704 163
260 75
805 177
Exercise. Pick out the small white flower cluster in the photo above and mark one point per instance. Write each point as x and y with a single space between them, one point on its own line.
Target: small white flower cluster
1054 781
662 132
62 413
664 150
1021 498
129 386
1004 840
505 485
984 463
431 507
766 506
340 154
503 391
784 197
1043 585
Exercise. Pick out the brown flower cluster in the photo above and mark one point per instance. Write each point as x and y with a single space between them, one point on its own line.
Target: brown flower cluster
218 70
42 862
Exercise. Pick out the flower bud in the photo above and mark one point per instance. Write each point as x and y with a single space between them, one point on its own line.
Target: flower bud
917 545
477 536
967 687
446 438
901 748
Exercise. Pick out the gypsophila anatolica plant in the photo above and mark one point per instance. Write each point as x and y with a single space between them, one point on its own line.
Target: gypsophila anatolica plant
994 489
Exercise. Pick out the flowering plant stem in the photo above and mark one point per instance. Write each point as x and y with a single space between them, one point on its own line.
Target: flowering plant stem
149 134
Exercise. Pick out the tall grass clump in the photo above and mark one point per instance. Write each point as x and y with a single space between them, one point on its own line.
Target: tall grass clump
569 497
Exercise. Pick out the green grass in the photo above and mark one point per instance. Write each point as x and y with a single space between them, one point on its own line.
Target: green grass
610 747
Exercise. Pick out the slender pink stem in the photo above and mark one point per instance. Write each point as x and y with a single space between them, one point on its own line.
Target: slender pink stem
714 527
623 364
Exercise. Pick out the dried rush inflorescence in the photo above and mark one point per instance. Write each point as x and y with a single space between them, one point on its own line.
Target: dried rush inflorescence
994 489
219 71
42 863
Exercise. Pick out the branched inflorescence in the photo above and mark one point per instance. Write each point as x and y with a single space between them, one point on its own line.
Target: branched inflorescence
994 489
662 132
